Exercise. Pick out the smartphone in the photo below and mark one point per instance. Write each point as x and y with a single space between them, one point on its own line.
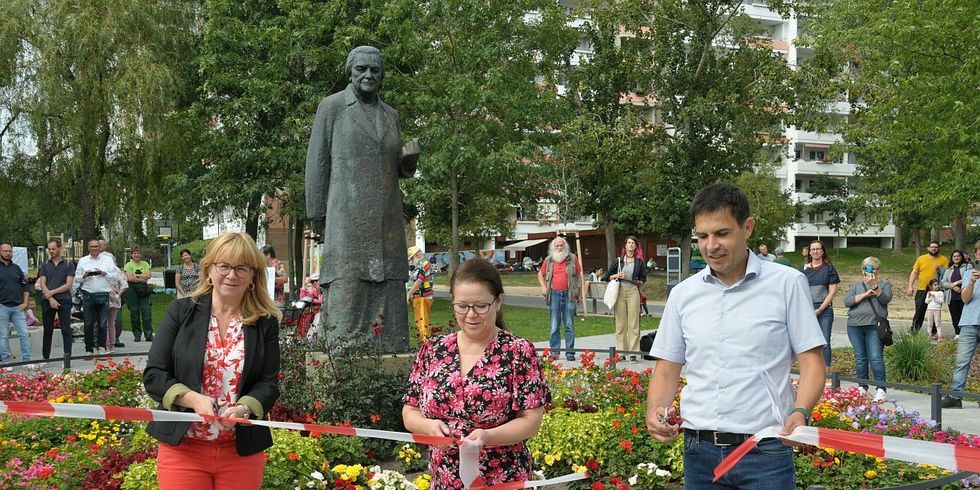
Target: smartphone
138 271
91 273
976 263
869 272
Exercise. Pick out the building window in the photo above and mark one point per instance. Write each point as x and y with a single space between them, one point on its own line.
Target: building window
818 155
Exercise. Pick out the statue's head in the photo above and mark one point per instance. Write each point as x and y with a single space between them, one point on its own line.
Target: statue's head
365 69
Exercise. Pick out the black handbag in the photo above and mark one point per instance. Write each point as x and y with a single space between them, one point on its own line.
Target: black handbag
883 326
646 343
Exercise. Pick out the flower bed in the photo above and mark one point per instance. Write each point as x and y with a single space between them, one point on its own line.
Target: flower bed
595 423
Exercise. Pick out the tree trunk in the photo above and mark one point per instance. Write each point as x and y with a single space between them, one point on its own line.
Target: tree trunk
610 229
917 240
959 232
934 234
685 243
454 214
897 241
252 215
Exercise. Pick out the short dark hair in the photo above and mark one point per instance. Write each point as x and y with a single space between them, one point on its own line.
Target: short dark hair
135 248
55 240
936 242
268 250
6 243
183 250
479 271
721 196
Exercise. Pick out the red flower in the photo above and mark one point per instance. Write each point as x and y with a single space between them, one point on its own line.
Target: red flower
598 486
634 430
617 424
293 456
626 445
51 452
620 409
375 418
318 405
94 448
72 438
592 465
377 329
46 472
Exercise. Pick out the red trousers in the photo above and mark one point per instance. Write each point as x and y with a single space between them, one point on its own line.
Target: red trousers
208 465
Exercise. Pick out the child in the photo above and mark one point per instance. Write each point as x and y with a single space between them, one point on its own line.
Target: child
31 318
934 309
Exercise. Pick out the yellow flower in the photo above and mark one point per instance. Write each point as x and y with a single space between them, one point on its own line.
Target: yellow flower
829 450
870 474
422 482
549 460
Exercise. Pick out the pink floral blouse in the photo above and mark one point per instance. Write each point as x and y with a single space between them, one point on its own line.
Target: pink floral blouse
507 380
223 362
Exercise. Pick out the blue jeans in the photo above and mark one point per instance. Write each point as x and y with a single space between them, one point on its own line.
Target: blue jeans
95 309
826 321
768 465
966 346
867 348
15 315
562 309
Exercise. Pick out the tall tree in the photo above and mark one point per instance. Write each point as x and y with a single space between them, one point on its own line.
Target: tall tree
771 206
720 89
607 147
911 71
102 82
463 78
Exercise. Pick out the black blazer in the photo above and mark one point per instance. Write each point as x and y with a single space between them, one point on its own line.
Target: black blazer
177 356
639 270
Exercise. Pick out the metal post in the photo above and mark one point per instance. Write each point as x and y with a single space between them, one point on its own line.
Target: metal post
612 356
937 403
835 380
67 362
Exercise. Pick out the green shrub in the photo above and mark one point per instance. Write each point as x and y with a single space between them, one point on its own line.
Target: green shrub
913 359
342 449
140 476
616 439
292 457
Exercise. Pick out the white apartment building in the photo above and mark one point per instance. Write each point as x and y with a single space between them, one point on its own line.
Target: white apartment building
807 153
807 156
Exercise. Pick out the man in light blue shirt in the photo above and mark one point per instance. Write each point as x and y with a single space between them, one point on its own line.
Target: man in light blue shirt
966 346
737 325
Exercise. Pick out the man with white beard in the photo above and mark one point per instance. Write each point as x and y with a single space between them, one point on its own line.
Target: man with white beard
560 280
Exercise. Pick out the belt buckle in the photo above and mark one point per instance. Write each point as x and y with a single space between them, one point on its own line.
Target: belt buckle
714 437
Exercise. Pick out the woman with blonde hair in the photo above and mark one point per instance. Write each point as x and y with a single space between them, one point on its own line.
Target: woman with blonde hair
217 353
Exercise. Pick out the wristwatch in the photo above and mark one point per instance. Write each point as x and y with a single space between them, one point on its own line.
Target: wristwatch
805 412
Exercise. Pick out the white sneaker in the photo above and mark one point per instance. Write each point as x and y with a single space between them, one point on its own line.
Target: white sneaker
862 391
100 350
879 396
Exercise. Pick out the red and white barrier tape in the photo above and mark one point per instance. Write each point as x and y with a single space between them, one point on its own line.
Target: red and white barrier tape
949 456
469 463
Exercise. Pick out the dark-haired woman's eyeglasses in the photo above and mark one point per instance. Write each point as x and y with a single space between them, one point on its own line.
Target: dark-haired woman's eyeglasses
479 308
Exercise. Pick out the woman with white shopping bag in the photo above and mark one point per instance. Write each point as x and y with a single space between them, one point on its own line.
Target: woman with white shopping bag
629 272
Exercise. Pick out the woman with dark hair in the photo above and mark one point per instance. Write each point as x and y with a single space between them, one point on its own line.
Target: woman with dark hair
482 383
806 257
823 279
187 274
631 272
279 295
217 353
952 283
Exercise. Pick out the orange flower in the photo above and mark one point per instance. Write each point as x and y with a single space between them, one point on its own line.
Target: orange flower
616 424
375 418
292 456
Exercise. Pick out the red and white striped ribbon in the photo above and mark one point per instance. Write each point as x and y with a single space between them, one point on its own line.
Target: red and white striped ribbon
949 456
469 464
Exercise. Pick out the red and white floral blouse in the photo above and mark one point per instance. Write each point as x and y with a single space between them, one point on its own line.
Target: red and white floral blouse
224 359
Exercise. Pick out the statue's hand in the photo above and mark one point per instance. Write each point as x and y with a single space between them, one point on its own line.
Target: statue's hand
317 224
412 148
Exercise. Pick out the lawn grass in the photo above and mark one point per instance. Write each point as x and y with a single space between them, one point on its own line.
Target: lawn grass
533 323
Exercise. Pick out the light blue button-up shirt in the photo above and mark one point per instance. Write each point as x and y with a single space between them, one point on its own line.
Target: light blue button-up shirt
971 310
738 343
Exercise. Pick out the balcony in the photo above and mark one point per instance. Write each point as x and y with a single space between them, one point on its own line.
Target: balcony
813 137
817 167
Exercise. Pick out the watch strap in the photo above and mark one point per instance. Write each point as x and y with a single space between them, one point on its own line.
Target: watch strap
806 413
